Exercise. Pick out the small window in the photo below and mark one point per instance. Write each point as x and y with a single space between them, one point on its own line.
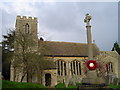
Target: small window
27 28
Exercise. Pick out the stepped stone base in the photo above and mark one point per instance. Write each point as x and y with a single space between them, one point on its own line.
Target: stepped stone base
93 87
92 78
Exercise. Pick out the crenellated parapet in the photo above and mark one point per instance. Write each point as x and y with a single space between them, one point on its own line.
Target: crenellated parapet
27 18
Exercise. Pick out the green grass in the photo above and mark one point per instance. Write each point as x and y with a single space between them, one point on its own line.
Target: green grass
10 84
72 86
114 86
62 85
0 84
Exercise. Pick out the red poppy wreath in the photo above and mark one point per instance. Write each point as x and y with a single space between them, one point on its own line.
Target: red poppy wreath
91 64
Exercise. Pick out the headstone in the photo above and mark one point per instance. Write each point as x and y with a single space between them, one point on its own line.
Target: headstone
73 80
67 80
106 78
118 81
110 80
115 81
0 76
1 81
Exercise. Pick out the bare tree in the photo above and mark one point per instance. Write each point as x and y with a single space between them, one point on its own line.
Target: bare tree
27 57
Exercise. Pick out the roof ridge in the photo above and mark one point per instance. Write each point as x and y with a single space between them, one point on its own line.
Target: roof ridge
64 42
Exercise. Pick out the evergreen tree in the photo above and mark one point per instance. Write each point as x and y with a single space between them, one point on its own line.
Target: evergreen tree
116 47
7 53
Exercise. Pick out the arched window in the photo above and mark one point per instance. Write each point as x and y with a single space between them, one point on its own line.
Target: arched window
27 28
109 67
61 67
75 67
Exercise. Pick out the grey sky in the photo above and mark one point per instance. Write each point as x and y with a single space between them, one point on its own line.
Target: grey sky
64 21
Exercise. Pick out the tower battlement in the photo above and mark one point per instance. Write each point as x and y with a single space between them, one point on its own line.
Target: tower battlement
26 18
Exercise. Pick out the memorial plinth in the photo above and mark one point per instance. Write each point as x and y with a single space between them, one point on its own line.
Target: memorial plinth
92 78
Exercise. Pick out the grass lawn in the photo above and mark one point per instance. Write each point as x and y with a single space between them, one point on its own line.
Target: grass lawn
115 86
0 84
10 84
62 85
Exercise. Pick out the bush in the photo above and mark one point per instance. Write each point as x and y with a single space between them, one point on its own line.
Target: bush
10 84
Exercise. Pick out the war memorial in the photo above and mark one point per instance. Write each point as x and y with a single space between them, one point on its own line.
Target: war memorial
70 62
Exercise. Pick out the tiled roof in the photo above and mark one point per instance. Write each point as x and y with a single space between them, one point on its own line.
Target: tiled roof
53 48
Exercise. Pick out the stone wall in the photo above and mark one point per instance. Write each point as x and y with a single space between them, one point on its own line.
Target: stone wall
119 66
110 56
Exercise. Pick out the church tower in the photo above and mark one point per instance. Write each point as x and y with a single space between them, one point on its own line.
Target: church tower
28 26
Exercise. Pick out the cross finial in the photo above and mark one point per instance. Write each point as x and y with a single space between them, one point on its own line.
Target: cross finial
87 18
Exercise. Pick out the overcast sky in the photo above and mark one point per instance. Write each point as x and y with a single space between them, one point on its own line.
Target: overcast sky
64 21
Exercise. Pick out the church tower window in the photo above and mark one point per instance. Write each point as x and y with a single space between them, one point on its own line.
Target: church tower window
27 28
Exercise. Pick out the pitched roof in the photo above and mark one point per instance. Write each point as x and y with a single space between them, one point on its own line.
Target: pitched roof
53 48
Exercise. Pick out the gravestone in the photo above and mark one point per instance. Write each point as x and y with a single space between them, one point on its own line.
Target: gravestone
106 78
115 81
0 76
118 81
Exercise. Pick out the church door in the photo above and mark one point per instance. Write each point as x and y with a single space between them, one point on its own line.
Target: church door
47 79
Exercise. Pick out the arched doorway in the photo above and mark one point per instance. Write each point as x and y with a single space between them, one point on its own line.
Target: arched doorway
47 79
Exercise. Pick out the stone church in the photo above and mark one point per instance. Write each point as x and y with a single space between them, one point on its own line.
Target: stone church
68 57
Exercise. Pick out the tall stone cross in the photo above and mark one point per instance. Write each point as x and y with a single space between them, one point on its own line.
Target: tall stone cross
89 36
91 77
87 19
